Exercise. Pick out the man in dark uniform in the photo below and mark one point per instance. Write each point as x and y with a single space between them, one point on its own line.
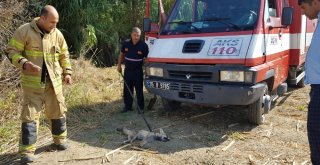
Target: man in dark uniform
133 52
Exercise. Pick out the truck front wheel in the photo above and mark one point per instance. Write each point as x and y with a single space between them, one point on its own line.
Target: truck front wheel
170 105
256 110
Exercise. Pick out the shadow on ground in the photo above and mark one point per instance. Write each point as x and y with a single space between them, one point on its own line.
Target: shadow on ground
189 127
9 159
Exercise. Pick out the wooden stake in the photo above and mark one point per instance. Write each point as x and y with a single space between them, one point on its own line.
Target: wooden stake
106 155
277 156
193 117
80 159
232 125
228 146
130 159
116 150
305 162
144 150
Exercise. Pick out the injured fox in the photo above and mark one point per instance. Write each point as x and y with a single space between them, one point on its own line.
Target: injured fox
144 136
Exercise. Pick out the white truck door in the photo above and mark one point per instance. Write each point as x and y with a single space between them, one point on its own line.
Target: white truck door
276 42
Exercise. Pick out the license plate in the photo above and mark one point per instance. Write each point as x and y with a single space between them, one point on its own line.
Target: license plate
158 85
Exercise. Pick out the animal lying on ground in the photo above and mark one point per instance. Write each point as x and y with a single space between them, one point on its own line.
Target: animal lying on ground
144 136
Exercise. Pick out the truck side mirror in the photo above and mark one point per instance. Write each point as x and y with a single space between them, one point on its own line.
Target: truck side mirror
287 15
146 24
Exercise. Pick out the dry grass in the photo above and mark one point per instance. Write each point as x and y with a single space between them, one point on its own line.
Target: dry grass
12 15
93 95
10 98
10 95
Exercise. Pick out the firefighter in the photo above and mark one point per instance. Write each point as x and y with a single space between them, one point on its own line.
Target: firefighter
133 52
40 51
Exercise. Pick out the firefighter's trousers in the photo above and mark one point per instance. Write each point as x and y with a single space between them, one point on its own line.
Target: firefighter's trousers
55 111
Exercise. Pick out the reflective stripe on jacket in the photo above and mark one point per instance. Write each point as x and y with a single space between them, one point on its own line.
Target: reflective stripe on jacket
28 45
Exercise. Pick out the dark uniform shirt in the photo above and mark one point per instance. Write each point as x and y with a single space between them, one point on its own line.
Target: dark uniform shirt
134 54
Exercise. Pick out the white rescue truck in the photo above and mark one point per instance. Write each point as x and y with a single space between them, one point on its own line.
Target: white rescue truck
227 52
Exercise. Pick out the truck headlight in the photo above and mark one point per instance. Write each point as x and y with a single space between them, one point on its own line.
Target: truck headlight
236 76
153 71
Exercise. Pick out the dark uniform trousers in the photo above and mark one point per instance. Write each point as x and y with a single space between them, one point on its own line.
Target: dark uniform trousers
134 80
313 124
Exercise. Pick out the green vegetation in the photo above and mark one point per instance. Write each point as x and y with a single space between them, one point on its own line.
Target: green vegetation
302 108
236 136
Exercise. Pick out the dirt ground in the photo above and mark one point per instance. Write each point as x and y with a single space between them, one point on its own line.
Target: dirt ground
199 135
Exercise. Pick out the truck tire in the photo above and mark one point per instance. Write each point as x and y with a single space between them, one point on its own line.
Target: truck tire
170 105
256 110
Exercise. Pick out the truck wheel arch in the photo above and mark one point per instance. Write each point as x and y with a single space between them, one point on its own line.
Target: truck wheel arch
269 78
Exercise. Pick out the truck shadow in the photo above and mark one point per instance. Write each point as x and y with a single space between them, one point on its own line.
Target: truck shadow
283 99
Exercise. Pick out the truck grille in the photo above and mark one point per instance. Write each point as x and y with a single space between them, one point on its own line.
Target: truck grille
186 87
192 46
195 76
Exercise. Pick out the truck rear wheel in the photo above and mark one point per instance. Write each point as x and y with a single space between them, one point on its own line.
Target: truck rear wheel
256 110
170 105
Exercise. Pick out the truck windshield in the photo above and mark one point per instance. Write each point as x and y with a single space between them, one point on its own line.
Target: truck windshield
209 16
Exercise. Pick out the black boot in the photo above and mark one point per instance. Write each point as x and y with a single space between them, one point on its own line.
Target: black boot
59 147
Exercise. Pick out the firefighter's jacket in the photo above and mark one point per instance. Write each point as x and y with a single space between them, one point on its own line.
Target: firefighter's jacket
30 44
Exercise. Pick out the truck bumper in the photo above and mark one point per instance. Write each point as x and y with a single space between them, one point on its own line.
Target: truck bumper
208 94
